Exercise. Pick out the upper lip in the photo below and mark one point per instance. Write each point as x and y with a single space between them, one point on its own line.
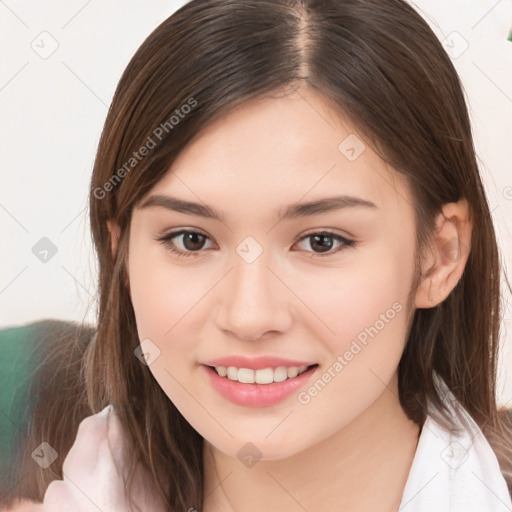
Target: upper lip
256 363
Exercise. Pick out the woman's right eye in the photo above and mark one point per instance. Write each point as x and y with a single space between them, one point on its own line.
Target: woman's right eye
191 241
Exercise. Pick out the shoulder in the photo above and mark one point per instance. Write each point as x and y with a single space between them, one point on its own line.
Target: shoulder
98 464
93 465
455 466
99 441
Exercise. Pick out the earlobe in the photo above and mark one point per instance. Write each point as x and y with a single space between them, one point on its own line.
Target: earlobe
447 257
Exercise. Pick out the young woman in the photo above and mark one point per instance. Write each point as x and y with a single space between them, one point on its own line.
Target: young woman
298 273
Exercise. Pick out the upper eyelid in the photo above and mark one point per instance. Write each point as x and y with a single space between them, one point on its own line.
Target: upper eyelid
313 231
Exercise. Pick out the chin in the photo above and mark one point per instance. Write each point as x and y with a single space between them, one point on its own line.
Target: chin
259 448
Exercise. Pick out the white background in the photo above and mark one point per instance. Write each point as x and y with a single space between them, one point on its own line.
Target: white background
53 108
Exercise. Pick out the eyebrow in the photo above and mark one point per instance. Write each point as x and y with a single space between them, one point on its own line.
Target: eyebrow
292 211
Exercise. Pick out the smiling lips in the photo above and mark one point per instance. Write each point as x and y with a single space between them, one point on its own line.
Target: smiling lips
257 382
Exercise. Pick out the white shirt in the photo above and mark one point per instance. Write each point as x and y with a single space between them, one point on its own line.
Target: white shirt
449 473
454 473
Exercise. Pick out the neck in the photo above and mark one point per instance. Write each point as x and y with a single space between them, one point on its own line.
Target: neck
375 451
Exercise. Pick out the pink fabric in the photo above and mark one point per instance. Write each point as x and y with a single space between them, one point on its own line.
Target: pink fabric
93 472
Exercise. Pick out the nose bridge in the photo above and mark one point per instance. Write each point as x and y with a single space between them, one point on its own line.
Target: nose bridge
252 301
250 280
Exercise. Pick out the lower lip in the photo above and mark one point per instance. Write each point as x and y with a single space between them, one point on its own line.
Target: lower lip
256 395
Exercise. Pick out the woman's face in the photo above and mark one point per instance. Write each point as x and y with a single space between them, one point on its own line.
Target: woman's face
260 283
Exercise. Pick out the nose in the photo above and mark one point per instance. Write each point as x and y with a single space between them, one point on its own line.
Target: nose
254 302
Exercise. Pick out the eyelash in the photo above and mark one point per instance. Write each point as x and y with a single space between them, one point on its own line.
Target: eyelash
168 242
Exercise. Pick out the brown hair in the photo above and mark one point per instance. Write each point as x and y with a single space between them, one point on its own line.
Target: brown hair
54 404
380 63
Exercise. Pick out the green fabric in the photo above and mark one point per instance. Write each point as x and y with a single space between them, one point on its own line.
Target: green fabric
17 366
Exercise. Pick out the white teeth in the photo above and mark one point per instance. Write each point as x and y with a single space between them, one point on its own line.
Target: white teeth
222 370
246 375
264 376
292 372
232 373
280 374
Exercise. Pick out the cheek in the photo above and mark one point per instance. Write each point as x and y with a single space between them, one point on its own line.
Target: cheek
349 301
363 313
167 305
365 307
164 295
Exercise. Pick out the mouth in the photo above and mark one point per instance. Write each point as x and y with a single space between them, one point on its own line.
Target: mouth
264 376
248 387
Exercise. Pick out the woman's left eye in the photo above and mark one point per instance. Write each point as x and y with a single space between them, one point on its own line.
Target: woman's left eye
193 242
325 240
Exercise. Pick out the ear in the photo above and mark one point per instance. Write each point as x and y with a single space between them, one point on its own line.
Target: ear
446 259
114 231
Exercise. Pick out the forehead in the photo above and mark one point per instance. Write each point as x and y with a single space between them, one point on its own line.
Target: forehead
281 150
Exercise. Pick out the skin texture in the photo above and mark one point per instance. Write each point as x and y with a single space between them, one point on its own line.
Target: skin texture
290 302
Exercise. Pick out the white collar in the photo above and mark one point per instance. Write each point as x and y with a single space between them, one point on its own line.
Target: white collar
454 473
